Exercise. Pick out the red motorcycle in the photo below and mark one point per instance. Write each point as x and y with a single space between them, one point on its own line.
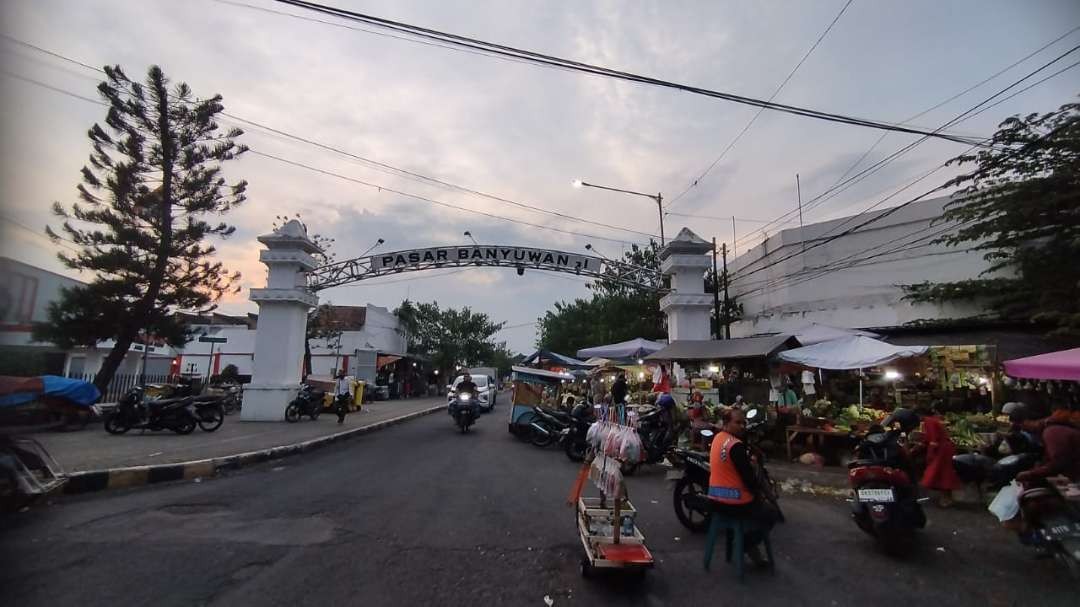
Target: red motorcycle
885 500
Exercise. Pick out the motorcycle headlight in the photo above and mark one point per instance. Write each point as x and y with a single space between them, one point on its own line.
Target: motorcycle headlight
464 397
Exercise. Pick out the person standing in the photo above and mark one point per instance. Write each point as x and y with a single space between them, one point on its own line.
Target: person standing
940 475
661 380
618 390
342 393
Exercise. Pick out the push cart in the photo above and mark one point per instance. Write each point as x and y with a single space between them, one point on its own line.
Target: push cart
610 537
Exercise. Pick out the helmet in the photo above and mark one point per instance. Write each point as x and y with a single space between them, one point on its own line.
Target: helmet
906 418
665 401
1017 412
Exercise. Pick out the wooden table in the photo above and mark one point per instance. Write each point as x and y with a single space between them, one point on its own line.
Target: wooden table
794 431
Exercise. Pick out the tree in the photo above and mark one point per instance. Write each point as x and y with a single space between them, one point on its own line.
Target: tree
1020 205
448 337
141 223
615 312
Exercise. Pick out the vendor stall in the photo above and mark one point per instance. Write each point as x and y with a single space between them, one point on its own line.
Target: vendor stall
625 351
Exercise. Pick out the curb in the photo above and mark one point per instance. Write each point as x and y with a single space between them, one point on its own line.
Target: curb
119 478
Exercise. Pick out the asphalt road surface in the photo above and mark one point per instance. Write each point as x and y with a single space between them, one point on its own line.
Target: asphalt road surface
419 514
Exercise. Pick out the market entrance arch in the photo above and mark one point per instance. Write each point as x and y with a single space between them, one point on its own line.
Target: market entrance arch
294 278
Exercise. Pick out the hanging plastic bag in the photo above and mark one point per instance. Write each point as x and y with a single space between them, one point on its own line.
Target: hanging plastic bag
1006 504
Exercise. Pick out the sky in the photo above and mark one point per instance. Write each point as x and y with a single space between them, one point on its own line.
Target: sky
518 131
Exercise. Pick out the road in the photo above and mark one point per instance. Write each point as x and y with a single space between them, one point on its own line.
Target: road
419 514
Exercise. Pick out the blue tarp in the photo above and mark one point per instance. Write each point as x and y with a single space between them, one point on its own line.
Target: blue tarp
76 391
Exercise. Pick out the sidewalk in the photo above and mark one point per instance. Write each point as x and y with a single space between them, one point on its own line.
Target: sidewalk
95 449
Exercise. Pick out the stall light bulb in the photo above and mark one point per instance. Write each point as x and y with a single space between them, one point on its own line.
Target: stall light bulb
983 380
892 375
641 375
714 369
640 362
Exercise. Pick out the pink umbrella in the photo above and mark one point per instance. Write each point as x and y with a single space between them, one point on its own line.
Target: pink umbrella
1054 365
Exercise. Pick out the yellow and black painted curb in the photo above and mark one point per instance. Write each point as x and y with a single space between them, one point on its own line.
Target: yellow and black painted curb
119 478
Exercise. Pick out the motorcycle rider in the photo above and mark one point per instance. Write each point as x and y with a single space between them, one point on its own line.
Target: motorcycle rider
465 386
341 396
733 482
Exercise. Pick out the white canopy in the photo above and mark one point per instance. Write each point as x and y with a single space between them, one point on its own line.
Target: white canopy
598 361
815 333
635 348
853 352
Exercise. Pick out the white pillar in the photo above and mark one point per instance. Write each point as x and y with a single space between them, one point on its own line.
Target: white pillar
279 337
687 306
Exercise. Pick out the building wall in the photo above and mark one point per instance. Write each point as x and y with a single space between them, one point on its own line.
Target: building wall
789 295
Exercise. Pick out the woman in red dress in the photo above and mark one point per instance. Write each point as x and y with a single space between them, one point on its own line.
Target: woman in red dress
661 380
940 474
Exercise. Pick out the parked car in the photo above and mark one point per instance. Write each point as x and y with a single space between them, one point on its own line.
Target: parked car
486 391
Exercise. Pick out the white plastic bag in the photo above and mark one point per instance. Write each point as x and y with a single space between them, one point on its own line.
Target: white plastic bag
1006 504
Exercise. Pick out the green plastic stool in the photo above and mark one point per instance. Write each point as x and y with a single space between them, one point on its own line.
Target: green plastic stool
736 531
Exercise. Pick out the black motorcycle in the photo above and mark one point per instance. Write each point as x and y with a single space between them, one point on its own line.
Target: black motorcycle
573 436
982 469
657 440
159 414
465 410
309 402
210 411
547 425
691 476
885 501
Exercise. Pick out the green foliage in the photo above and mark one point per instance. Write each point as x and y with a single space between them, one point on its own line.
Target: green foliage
449 337
502 358
142 218
230 372
1020 205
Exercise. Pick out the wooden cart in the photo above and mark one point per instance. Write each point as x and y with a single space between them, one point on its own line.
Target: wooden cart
606 546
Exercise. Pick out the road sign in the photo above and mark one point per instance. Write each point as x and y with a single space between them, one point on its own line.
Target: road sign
207 339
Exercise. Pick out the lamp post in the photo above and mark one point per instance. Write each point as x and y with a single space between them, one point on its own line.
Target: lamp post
469 234
659 198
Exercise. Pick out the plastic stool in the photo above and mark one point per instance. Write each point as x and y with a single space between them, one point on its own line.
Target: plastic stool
736 531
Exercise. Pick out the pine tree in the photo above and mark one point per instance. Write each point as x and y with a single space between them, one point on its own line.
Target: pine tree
145 211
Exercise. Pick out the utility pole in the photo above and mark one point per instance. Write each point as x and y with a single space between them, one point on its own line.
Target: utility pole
798 190
727 301
660 206
715 291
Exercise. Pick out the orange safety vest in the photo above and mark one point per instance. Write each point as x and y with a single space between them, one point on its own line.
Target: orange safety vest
725 484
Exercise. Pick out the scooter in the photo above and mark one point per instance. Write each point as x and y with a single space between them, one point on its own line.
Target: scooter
160 414
885 502
572 438
309 402
464 410
547 426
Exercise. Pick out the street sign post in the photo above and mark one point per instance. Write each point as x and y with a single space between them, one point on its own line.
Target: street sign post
209 339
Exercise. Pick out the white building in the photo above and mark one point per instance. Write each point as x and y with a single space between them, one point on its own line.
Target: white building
853 281
26 291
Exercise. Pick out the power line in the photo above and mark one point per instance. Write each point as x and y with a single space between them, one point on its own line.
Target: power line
749 124
382 188
397 171
869 150
58 242
889 212
540 58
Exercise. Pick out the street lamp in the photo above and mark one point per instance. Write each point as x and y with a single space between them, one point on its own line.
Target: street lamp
659 198
469 234
372 247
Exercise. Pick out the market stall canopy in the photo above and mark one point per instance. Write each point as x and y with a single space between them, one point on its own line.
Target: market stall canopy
854 352
724 349
635 348
541 356
1054 365
19 390
597 361
815 333
386 359
542 373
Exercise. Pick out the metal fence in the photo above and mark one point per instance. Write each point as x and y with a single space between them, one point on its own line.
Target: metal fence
120 383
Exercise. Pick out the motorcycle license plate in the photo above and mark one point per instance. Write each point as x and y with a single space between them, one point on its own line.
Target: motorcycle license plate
876 495
1057 532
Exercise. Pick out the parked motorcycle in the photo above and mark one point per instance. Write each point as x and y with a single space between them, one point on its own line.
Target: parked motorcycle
572 438
547 426
1053 526
464 410
691 475
657 440
885 502
309 402
210 411
158 414
231 400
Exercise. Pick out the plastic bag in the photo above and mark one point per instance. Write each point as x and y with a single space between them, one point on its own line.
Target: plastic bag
1006 504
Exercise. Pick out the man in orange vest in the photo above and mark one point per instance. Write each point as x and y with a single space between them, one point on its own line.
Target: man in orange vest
733 482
